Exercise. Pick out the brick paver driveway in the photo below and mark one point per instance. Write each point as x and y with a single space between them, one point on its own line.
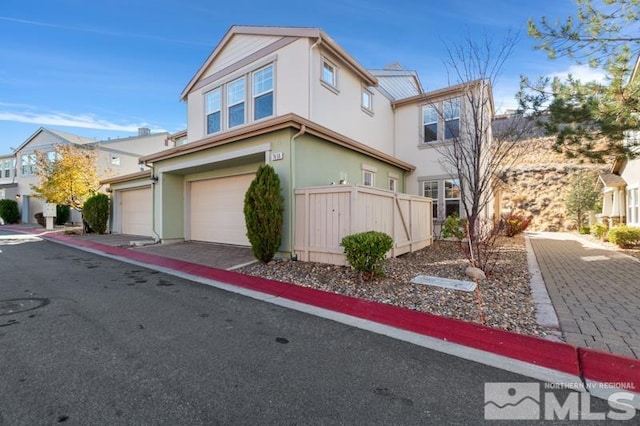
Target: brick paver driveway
595 292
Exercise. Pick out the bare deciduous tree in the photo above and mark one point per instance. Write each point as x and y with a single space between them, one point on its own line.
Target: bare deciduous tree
477 152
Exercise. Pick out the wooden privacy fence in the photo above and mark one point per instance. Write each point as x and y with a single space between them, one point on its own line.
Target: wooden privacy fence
326 214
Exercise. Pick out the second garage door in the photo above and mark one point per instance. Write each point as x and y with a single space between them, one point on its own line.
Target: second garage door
136 211
216 209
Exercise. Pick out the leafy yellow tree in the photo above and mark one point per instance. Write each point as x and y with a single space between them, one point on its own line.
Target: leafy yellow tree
68 175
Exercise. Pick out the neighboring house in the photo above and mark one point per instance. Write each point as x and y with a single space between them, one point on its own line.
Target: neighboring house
115 157
621 193
8 185
292 98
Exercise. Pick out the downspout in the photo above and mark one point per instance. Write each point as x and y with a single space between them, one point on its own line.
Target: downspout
292 200
156 236
313 46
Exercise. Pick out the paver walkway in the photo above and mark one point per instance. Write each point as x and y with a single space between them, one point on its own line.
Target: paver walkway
595 292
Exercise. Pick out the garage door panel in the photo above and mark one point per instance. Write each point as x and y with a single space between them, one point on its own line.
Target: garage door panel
216 209
136 205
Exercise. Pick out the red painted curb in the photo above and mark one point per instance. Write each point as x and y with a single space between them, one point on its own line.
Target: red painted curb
554 355
610 369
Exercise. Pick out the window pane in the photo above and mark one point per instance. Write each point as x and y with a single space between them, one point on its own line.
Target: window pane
263 81
236 115
452 109
236 91
451 129
263 106
328 74
430 132
429 115
214 101
430 189
434 207
451 207
366 99
213 122
452 189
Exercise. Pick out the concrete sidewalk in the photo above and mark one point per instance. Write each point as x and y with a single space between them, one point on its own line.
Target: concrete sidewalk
595 292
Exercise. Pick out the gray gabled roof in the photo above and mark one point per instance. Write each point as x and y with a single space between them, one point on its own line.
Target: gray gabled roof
62 136
397 83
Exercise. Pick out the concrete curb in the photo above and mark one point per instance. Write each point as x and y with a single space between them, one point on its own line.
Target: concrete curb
545 312
578 368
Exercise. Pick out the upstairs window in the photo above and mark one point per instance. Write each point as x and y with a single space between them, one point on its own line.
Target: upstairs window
441 120
430 123
366 100
329 74
28 164
236 101
115 161
214 111
451 118
263 93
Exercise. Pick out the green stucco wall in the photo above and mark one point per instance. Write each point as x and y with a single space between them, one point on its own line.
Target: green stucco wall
311 162
319 162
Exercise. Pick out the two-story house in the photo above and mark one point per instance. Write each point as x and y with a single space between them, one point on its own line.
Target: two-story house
8 184
293 98
115 157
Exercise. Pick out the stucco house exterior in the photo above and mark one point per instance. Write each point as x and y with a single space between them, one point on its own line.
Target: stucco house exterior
621 193
8 184
293 98
115 157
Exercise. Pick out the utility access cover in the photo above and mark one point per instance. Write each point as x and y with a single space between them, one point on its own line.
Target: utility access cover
444 283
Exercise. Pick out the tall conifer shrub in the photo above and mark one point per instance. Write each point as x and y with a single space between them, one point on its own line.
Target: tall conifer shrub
264 213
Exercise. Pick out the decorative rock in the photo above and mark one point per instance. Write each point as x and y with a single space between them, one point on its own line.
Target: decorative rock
475 273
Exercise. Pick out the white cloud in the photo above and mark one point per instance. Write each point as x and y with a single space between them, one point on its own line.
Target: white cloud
83 121
584 73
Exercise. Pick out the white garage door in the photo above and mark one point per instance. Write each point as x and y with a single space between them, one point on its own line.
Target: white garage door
216 211
137 211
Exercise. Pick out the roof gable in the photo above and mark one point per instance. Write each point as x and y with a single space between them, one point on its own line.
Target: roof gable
56 136
274 39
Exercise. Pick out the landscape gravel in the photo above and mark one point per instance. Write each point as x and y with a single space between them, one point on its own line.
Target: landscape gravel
506 293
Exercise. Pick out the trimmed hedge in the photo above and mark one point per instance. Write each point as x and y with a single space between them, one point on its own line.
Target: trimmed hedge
62 214
599 231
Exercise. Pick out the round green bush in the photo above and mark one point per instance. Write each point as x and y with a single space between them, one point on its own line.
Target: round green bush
9 211
96 212
62 214
366 252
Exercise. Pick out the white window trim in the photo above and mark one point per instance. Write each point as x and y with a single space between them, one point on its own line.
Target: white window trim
254 96
366 173
437 201
223 83
207 113
441 123
365 108
333 86
393 184
242 101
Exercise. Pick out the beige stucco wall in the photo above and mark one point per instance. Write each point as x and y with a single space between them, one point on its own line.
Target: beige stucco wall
631 173
341 110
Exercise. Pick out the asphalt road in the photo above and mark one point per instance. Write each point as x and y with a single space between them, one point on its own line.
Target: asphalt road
119 344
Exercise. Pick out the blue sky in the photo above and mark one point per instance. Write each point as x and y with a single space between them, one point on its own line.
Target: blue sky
103 69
